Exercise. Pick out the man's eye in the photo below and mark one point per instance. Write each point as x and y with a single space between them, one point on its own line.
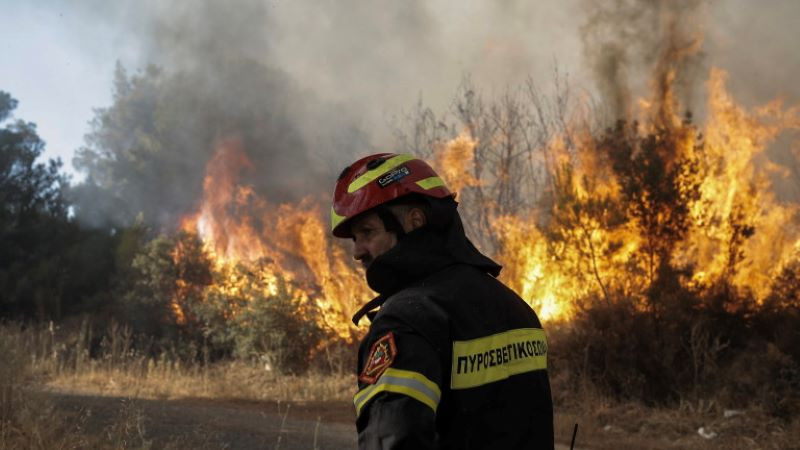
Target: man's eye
362 234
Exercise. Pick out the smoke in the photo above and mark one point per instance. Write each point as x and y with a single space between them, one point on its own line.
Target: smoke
662 51
639 48
217 81
307 87
354 65
624 41
757 44
226 54
310 86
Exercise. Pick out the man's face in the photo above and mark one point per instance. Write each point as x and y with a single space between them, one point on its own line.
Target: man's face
370 238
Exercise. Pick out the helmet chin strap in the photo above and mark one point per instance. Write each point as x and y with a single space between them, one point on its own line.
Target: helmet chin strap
390 221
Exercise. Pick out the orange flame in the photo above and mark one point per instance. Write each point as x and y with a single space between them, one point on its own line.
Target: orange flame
594 255
737 185
454 162
287 242
739 231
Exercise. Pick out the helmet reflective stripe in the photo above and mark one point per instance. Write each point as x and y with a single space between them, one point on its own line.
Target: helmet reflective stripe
430 183
371 175
335 218
377 179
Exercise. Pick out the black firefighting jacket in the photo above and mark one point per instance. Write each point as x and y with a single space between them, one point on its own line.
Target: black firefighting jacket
453 358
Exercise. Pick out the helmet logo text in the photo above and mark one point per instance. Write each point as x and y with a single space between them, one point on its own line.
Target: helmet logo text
393 175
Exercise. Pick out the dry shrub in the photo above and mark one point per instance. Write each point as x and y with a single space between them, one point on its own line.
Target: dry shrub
625 352
779 315
761 374
681 345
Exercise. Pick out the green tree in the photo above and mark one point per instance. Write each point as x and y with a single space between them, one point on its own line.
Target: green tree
172 294
49 266
279 329
33 219
146 153
132 157
157 288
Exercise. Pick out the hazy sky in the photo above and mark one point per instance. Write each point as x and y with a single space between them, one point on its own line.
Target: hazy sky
371 58
58 63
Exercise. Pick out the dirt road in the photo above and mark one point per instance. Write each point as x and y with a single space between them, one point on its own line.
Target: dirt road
201 423
223 424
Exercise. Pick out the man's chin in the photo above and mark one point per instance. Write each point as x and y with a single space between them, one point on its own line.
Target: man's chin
366 261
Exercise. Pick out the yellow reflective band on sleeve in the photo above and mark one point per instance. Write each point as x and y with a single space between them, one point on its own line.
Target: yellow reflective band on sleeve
493 358
371 175
405 382
430 183
335 218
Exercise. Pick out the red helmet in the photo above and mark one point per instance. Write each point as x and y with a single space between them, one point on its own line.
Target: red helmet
378 179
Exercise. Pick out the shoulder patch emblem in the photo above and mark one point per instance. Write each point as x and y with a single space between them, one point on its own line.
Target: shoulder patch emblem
380 357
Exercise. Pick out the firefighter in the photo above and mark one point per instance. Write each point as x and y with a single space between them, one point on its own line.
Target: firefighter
453 359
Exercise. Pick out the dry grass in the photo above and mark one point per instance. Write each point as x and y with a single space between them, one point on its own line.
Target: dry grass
39 358
36 359
31 421
23 420
61 362
163 380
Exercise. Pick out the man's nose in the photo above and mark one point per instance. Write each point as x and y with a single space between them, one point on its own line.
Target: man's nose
359 251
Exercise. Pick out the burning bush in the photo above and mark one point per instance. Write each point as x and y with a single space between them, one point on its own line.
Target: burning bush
660 326
780 313
277 329
657 249
176 296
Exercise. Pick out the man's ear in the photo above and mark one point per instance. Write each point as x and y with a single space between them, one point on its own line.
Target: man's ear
415 218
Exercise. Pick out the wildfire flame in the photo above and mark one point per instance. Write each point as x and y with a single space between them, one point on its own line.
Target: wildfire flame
739 231
737 184
277 242
454 161
732 181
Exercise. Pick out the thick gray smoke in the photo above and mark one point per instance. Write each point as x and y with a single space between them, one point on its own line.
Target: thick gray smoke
309 86
633 47
306 86
218 81
624 40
